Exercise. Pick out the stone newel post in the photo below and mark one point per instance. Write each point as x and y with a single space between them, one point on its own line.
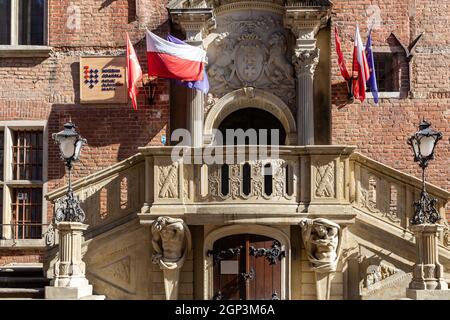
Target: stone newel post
70 281
427 282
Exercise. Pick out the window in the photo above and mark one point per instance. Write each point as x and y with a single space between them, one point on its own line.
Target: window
23 22
27 213
22 180
2 139
392 72
27 155
386 72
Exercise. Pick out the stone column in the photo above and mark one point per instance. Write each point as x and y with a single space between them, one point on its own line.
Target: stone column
69 274
196 24
195 103
427 282
305 26
305 63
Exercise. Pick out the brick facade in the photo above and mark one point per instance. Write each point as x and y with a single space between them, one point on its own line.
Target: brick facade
381 131
47 88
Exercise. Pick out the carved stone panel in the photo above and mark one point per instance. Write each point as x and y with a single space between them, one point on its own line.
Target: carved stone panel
249 49
324 178
167 180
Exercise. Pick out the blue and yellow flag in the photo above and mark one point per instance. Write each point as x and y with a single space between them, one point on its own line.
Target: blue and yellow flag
372 81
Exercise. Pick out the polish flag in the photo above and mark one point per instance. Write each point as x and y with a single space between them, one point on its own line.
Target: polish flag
174 61
360 68
134 73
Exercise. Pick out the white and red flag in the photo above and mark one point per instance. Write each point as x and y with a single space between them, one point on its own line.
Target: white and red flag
134 73
173 60
361 70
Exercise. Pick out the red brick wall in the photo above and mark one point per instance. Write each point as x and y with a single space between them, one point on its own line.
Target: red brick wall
380 131
48 88
19 256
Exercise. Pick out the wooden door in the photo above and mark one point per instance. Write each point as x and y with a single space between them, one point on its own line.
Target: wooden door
247 267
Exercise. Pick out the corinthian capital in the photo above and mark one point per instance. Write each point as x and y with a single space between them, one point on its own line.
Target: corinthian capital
305 61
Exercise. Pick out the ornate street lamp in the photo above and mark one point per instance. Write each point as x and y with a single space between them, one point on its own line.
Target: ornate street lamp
423 143
70 143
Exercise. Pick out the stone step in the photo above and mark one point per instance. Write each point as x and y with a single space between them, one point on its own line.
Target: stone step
19 271
22 293
23 282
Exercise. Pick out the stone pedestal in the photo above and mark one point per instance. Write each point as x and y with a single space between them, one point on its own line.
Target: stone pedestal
427 282
323 285
171 279
69 281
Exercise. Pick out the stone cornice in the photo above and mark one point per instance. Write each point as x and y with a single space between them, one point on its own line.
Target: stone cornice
247 5
196 22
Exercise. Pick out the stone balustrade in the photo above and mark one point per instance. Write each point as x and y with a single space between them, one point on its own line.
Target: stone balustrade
281 188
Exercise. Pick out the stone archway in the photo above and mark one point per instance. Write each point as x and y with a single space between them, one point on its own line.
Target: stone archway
254 98
213 236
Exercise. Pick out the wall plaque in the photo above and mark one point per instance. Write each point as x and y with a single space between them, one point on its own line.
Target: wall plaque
103 79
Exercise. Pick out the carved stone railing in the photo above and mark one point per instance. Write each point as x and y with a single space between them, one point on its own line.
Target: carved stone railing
297 181
109 196
389 194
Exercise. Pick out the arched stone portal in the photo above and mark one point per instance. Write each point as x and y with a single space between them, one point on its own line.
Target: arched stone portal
262 230
254 98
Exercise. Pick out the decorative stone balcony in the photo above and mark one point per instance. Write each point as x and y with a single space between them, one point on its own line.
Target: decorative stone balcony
333 182
277 189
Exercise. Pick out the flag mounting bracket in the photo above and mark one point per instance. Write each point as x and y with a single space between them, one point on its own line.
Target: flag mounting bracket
149 85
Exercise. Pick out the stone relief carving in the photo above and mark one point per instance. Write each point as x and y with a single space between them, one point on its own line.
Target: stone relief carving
322 240
377 273
171 240
168 181
324 180
368 198
250 52
277 68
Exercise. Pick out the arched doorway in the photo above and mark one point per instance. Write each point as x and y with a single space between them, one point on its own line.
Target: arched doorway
262 100
247 267
253 118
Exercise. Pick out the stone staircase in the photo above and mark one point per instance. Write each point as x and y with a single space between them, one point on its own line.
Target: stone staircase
22 282
373 200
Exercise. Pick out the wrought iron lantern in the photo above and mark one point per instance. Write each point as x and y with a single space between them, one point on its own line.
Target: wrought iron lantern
423 143
70 143
149 85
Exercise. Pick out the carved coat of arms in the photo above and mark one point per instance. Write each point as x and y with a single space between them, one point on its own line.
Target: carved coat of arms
249 58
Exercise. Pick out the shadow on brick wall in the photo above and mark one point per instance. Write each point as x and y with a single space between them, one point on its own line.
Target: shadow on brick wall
113 133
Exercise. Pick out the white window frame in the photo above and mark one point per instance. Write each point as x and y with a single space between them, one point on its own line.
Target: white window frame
7 184
385 94
15 25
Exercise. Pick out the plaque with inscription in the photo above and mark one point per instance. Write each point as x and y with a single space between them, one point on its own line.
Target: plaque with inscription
103 79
